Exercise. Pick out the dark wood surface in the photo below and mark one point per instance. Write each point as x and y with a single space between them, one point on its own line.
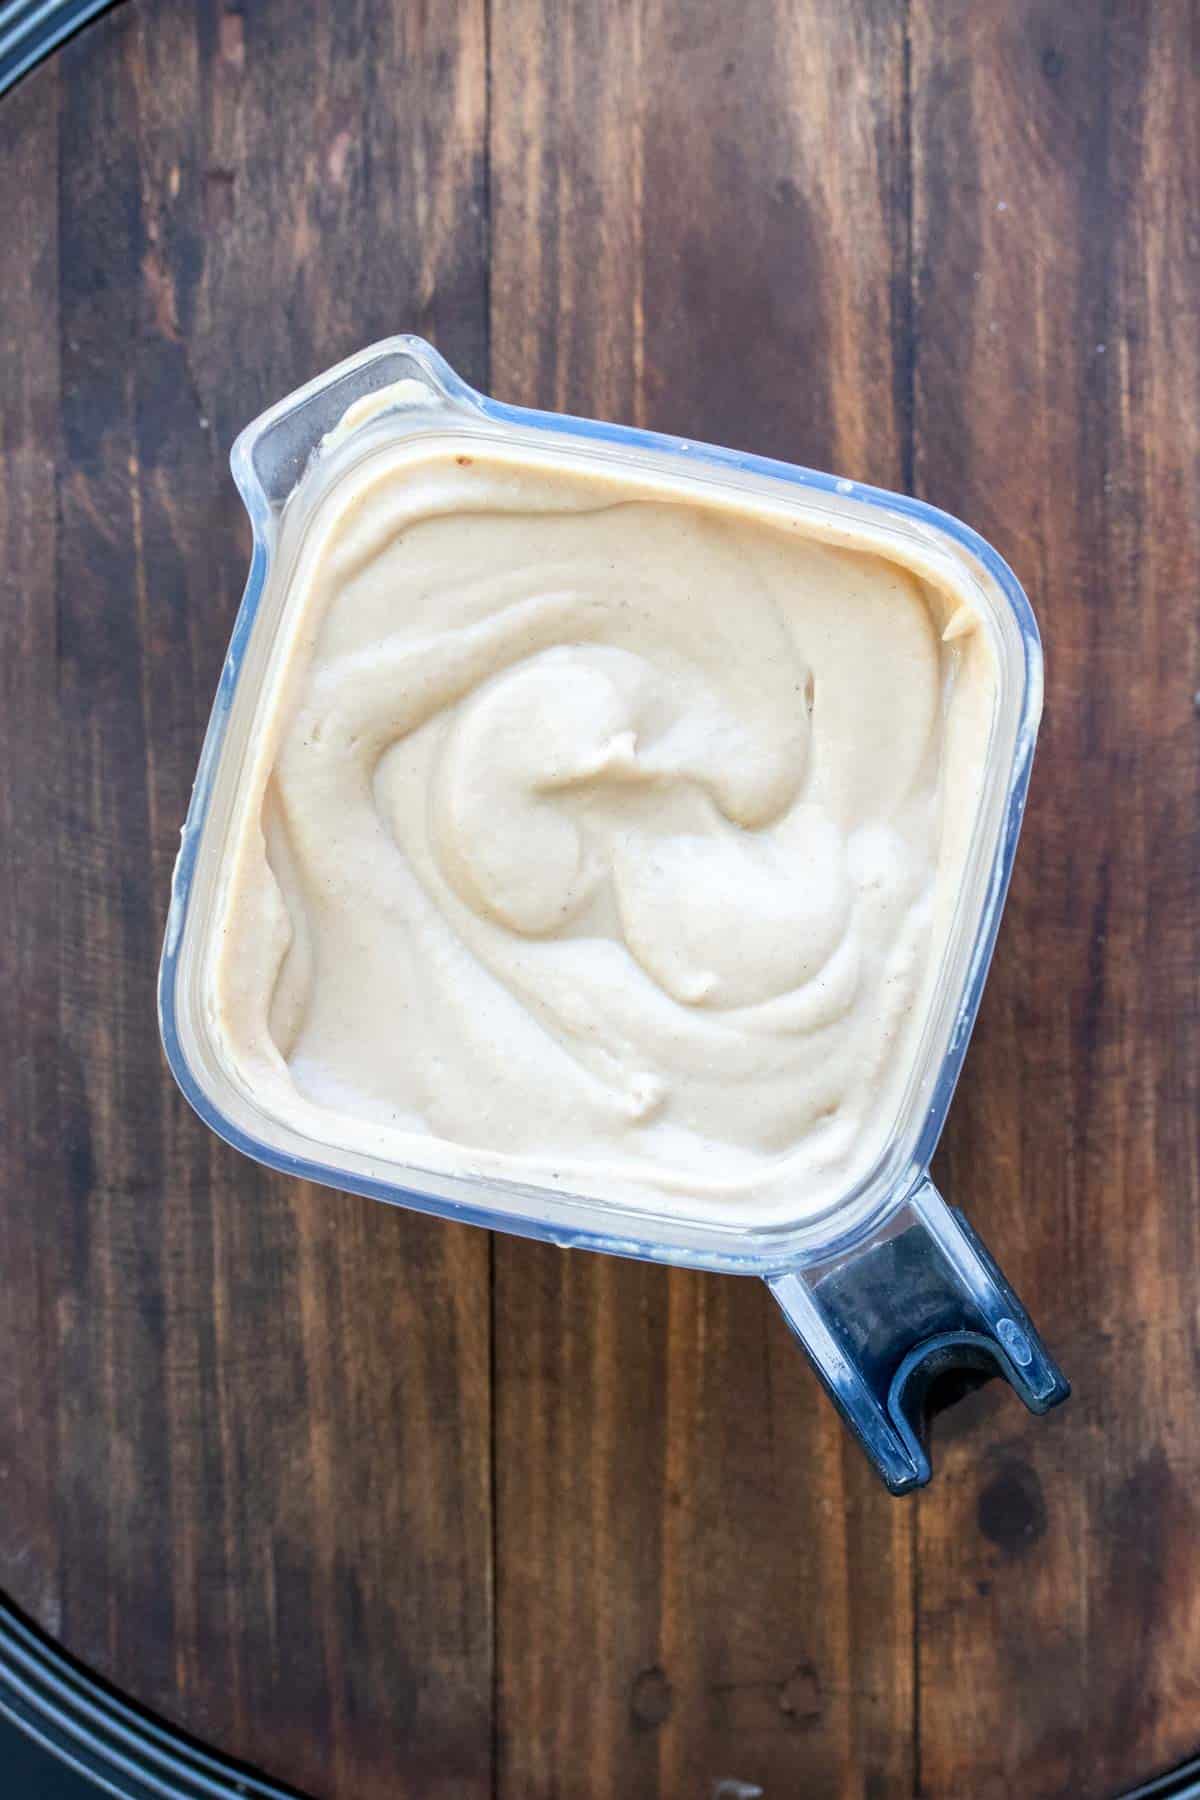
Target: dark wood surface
384 1506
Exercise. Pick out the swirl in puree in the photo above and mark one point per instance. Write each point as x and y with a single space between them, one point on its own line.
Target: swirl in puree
598 832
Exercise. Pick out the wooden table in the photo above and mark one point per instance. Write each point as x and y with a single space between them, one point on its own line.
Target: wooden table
390 1508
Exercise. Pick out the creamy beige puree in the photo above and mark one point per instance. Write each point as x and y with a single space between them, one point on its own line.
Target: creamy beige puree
597 832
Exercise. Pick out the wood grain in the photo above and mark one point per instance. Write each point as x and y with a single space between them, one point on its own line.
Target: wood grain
265 1459
30 1153
1057 224
249 1449
697 1578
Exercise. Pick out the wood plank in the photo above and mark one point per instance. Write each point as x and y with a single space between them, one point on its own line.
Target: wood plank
31 1152
699 223
264 1408
1057 212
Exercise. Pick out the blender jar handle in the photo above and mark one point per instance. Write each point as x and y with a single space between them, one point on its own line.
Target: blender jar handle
915 1314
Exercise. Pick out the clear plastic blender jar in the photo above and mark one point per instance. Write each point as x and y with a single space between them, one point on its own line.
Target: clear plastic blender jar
887 1288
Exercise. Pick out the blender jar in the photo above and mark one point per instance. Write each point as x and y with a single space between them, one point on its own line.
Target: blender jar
888 1288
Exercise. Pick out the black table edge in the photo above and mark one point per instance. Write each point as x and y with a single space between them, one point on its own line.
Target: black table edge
31 29
1182 1783
100 1734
